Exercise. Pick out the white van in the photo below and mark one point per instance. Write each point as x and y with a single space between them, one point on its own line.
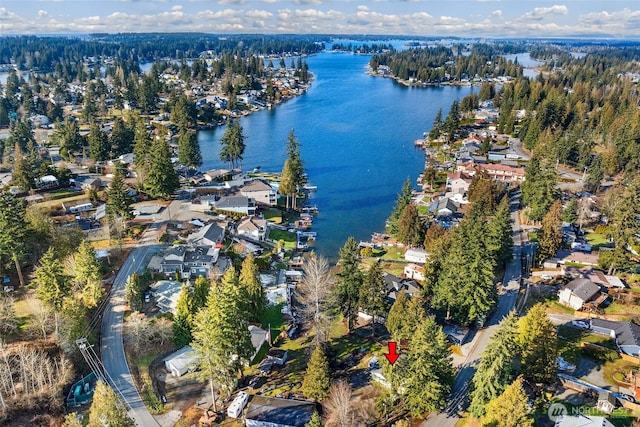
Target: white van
238 404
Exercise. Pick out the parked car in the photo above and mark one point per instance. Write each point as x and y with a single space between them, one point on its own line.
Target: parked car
546 277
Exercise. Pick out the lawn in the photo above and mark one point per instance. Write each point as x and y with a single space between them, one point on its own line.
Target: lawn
273 215
58 202
626 311
288 237
569 340
596 239
272 316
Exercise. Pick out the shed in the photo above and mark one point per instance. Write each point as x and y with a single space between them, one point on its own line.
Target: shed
181 361
274 412
606 402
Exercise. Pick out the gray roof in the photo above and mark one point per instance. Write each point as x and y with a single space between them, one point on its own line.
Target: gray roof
282 412
256 185
443 203
627 333
233 202
584 289
208 235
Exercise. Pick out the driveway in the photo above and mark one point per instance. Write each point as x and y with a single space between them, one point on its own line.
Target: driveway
112 346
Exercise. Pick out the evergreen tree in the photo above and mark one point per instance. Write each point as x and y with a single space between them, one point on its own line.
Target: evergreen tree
538 189
107 409
510 409
99 146
452 122
87 274
295 165
349 281
501 233
430 372
433 233
74 322
287 186
537 338
221 337
189 149
52 284
396 320
22 176
118 201
317 379
595 175
20 133
13 230
436 128
133 291
496 365
404 198
201 289
184 113
315 420
68 137
409 226
233 145
121 138
250 280
162 179
570 212
141 147
373 295
550 235
182 321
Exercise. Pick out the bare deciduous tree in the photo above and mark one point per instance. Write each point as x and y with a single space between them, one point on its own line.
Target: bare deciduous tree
338 406
584 212
313 293
8 320
41 316
142 331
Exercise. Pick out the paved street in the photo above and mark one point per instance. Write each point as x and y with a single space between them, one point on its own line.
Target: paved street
506 303
112 347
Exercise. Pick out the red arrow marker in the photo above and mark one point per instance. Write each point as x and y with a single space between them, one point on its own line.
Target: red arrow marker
393 355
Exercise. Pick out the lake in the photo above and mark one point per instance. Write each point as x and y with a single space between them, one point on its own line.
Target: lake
356 133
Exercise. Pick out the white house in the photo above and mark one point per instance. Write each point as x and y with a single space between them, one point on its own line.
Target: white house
260 191
252 228
239 204
181 361
578 292
416 255
414 271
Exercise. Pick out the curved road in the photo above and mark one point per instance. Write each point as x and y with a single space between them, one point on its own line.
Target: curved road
458 400
112 346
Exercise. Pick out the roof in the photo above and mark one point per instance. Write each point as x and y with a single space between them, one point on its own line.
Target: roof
582 421
584 289
233 202
605 395
252 224
627 333
182 359
258 336
256 185
443 203
208 235
283 412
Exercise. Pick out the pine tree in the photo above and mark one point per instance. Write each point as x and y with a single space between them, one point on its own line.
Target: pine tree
287 186
52 284
133 291
189 149
107 409
221 337
510 409
184 113
119 202
436 129
317 379
250 280
315 420
500 231
409 226
88 275
538 188
496 366
22 176
396 319
373 295
295 164
550 235
13 230
429 373
233 145
404 198
98 141
537 338
452 122
162 179
349 281
141 148
182 321
201 289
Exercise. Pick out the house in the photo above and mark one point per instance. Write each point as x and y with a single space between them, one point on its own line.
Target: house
209 235
458 182
582 421
578 292
47 181
91 184
239 204
414 271
397 284
266 411
252 228
166 294
189 261
606 402
278 356
180 362
497 172
443 207
577 257
260 191
625 334
416 255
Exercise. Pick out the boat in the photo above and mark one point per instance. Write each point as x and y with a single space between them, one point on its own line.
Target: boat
310 209
82 391
309 187
256 169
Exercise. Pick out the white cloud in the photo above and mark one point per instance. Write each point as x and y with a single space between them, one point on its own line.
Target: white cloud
540 13
496 13
42 13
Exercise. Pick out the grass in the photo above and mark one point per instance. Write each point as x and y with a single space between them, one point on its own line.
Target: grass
569 348
286 236
272 316
57 202
617 309
611 368
273 215
596 239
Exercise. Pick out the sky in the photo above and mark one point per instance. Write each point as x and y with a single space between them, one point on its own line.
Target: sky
468 18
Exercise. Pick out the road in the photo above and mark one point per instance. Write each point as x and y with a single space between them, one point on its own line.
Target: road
112 346
506 302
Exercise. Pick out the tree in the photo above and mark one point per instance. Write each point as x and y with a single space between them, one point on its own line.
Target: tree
295 164
429 373
23 176
20 133
404 198
409 226
315 420
98 143
313 295
317 379
189 149
373 295
52 284
121 138
452 122
583 214
349 281
500 233
537 338
68 137
184 113
183 319
595 175
87 274
107 409
396 319
436 129
141 148
233 144
118 200
287 185
162 179
538 188
74 323
510 409
71 420
340 411
8 319
433 233
221 337
550 235
570 212
250 280
201 289
133 291
496 365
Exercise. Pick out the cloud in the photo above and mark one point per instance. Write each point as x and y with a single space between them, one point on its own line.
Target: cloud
42 13
496 13
308 2
540 13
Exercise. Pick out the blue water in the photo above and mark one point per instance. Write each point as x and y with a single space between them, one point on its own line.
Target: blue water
356 133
